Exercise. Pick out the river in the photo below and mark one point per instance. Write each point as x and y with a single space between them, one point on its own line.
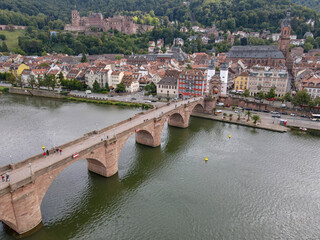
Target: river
255 185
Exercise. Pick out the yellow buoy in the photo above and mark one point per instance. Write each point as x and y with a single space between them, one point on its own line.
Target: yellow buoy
229 135
206 159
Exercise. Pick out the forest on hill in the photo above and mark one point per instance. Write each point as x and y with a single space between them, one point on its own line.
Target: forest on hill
227 14
249 15
314 4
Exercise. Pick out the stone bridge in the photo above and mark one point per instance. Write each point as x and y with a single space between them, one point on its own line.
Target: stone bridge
20 199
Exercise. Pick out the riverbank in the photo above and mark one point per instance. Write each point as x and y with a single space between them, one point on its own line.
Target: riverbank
53 94
109 102
242 122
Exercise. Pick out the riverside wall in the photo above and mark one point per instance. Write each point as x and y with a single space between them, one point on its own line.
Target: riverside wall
34 92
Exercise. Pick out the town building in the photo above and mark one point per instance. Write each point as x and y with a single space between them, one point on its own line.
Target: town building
131 84
240 82
252 55
167 87
311 83
116 78
191 83
264 78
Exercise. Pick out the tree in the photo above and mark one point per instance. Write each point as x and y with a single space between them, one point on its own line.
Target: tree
301 98
96 86
248 113
84 57
11 79
31 81
120 87
287 97
246 93
307 47
4 47
40 81
151 88
19 81
60 76
271 94
107 87
255 118
50 81
244 41
188 66
261 95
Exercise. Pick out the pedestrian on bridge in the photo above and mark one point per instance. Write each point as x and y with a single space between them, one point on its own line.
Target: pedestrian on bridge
44 154
2 178
7 177
48 153
60 150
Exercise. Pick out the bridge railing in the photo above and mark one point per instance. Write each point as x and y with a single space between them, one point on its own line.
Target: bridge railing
40 155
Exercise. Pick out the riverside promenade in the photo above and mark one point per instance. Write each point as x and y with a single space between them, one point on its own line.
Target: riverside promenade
243 122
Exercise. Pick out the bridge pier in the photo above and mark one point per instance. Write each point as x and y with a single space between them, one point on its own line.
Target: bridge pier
150 135
22 207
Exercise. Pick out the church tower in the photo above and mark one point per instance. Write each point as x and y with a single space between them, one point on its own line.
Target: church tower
284 41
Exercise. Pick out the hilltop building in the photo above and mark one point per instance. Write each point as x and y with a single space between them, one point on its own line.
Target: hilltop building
96 23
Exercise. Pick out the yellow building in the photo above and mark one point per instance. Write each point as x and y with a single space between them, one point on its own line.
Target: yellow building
240 82
21 68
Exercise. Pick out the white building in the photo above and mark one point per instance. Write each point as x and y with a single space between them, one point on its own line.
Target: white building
167 87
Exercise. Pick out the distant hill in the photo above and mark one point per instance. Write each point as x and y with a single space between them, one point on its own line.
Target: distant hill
226 14
314 4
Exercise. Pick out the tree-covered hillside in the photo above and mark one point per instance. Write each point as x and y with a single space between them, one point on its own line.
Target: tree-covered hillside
314 4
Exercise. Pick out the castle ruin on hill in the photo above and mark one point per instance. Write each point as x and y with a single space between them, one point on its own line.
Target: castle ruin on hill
96 23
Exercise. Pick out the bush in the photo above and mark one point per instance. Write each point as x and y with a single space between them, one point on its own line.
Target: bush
4 89
64 93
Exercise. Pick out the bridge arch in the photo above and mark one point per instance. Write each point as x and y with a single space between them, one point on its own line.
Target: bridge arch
145 137
198 108
177 120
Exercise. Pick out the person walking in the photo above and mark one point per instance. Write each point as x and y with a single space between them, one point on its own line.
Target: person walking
7 177
2 178
44 154
60 150
48 153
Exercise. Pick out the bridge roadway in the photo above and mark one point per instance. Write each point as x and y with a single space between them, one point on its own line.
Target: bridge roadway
24 172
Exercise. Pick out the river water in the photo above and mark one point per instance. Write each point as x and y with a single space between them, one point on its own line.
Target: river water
256 185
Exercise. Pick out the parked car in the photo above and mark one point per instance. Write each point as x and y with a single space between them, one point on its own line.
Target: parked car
88 91
266 111
303 115
133 98
292 114
148 101
218 111
284 113
257 110
220 104
153 100
248 109
227 105
236 111
276 115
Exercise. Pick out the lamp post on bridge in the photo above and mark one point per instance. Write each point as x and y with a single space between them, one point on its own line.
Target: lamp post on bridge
30 169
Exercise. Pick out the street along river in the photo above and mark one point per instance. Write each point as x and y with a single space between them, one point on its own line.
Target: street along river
255 185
